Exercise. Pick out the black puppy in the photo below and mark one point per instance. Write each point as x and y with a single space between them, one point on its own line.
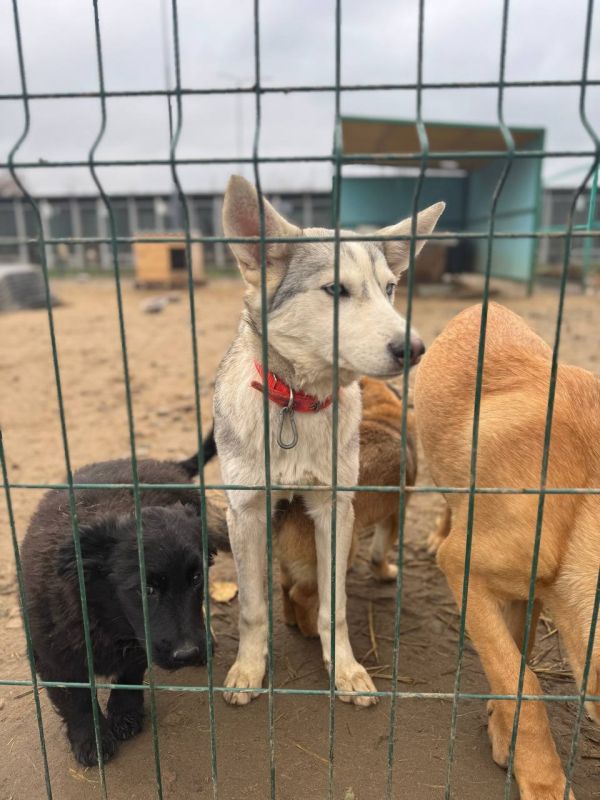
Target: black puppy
174 588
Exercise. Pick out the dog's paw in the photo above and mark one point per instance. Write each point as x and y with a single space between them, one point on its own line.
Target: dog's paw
127 724
533 783
543 790
498 735
384 571
308 626
84 747
355 678
243 676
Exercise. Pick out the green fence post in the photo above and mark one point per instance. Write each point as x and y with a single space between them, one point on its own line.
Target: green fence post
175 134
264 310
128 396
337 169
25 615
40 241
506 134
424 143
588 242
548 427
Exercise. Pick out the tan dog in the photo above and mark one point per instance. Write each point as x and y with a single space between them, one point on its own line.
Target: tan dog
379 466
512 421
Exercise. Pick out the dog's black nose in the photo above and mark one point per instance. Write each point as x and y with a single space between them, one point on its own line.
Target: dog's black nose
186 654
417 348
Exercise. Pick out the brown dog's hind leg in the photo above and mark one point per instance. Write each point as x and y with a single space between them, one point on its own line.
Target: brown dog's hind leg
386 534
440 534
289 610
575 637
515 612
537 765
577 650
305 600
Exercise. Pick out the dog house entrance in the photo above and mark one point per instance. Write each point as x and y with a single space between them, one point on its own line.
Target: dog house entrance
164 263
177 257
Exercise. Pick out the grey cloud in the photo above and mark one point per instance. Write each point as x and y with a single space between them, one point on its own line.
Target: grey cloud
462 42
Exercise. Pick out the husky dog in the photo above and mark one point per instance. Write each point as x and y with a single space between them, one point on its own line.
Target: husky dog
300 297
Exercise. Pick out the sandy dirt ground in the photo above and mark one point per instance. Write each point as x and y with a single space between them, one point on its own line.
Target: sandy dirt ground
161 369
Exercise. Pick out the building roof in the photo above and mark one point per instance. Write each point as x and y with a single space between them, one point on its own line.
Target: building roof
368 135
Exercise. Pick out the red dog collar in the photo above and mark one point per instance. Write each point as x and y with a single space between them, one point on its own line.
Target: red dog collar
281 394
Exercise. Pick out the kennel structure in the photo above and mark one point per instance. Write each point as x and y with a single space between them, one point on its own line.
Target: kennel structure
461 173
162 263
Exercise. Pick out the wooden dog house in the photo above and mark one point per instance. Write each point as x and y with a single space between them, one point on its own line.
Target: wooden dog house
162 263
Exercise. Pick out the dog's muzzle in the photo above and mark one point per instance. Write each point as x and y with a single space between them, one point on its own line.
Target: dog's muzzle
417 349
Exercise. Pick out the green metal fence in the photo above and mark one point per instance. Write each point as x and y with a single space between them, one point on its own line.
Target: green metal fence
338 160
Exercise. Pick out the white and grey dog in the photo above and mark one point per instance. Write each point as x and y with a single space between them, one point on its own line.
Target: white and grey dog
300 293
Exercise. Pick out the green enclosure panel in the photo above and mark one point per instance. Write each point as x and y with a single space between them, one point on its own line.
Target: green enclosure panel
382 201
517 211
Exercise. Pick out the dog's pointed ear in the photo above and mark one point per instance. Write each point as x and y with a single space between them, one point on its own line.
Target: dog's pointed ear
97 540
397 253
241 217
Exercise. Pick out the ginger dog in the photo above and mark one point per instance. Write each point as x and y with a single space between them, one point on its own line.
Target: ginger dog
512 421
380 450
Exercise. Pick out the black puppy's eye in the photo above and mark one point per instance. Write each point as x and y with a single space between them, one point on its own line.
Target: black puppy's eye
196 579
389 289
330 290
151 590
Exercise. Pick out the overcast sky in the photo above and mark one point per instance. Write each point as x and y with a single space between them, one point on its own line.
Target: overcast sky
462 42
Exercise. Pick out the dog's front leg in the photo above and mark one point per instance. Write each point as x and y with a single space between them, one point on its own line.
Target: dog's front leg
75 707
537 765
247 534
350 676
125 707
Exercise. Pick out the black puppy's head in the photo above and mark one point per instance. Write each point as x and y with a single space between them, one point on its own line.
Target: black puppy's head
174 585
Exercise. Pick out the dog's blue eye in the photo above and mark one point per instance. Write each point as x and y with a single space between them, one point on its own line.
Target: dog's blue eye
389 289
330 290
197 579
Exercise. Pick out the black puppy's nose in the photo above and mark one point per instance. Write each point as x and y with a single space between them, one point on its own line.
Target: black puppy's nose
417 348
186 654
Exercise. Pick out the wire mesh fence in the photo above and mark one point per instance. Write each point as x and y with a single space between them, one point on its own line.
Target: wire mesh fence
338 159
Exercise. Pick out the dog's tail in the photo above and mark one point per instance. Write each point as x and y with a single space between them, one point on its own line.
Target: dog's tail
190 465
216 505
